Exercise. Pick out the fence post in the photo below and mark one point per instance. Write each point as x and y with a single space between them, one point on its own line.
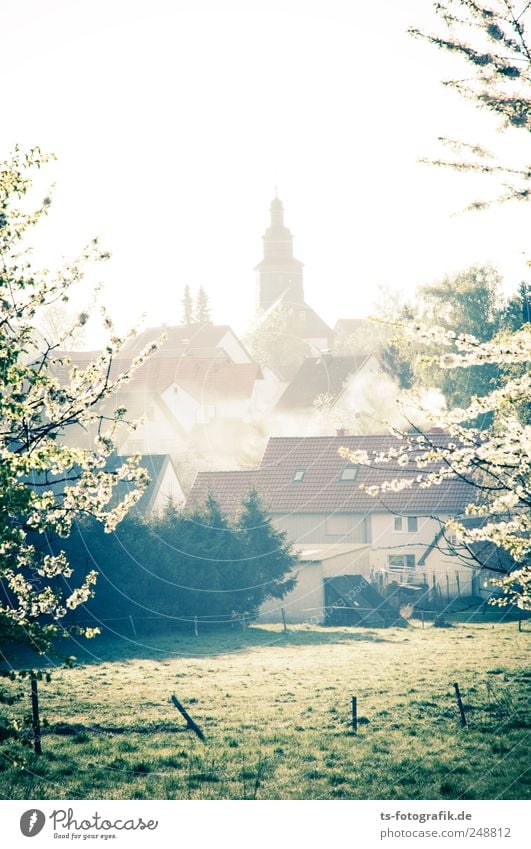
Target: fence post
354 714
133 625
284 619
460 703
35 716
458 580
422 618
447 587
196 629
193 726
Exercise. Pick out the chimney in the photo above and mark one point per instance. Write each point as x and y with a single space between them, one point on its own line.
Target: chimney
342 431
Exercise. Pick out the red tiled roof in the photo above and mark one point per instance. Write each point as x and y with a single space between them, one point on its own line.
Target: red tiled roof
179 338
207 380
321 490
229 488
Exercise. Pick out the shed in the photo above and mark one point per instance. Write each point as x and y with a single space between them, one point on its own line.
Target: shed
332 588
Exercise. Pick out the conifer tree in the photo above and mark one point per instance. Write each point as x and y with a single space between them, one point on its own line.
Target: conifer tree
187 306
202 308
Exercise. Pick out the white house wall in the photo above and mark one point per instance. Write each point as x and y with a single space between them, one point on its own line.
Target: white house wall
156 435
266 393
312 528
169 488
453 575
351 563
305 603
234 349
385 540
183 406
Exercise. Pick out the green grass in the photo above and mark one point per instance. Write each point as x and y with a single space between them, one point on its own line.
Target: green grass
275 710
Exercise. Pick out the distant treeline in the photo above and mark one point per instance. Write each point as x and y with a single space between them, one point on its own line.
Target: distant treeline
176 567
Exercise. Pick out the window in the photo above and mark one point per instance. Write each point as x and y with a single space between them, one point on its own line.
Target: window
403 523
299 475
349 473
400 561
302 315
340 523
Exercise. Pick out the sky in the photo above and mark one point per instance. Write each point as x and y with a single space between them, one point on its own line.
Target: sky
174 120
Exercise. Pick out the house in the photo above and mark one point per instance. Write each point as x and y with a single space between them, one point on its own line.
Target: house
330 391
325 594
197 395
164 485
484 561
193 340
319 500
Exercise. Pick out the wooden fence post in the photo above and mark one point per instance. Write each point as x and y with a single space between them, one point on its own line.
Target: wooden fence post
460 703
196 629
133 625
35 716
458 581
447 587
193 726
284 619
422 617
354 714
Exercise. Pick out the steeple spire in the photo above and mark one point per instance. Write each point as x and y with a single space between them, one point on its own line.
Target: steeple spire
280 274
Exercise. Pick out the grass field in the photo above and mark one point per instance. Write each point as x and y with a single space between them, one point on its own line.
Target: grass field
275 710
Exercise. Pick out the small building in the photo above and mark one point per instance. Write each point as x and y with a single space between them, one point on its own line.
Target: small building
164 486
321 502
333 588
328 388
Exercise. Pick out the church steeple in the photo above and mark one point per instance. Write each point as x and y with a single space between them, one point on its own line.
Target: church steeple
279 273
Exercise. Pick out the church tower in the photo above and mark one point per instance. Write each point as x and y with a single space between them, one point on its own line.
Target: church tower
279 273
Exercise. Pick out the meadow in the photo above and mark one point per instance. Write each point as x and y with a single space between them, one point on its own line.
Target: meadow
275 709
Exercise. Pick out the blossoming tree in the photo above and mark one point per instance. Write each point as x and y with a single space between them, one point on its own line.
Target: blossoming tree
495 460
45 483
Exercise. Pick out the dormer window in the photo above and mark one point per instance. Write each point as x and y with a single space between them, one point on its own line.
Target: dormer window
299 475
349 473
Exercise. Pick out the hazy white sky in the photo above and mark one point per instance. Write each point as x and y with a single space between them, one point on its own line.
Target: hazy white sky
173 120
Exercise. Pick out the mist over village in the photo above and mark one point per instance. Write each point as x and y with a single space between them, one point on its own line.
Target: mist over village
271 545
